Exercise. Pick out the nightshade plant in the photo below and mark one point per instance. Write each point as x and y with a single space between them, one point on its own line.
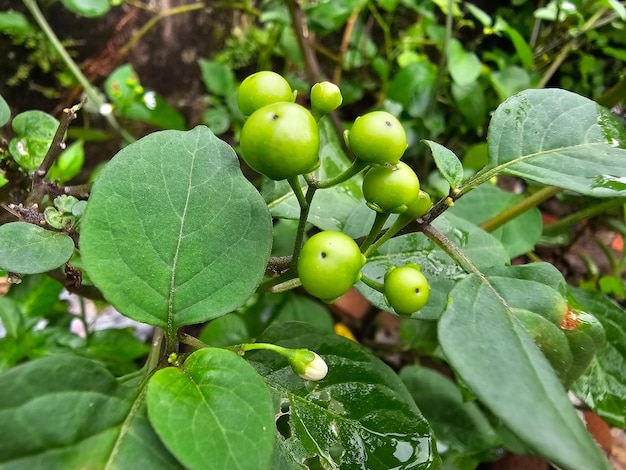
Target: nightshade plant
174 235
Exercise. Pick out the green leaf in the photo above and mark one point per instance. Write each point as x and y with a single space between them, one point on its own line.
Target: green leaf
225 331
11 317
602 386
118 349
359 416
523 50
131 100
519 235
413 86
5 112
464 66
447 162
557 138
218 78
69 412
510 80
442 272
331 207
496 359
173 233
29 249
88 8
470 100
16 25
217 119
457 423
34 131
223 407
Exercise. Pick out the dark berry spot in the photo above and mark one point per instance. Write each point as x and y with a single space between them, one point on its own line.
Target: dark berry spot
323 254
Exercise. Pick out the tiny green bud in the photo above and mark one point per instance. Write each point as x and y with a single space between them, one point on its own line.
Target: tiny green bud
325 97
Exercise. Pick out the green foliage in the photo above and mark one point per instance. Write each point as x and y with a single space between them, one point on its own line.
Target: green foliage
245 368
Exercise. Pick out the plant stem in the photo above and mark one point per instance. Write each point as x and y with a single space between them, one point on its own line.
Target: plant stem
378 286
582 214
522 206
571 45
305 208
155 350
379 222
443 60
297 190
356 167
191 341
155 19
451 250
93 95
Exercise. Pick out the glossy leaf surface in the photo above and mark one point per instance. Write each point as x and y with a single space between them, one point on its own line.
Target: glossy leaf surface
457 423
558 138
359 416
440 270
68 412
514 379
29 249
173 233
215 413
603 386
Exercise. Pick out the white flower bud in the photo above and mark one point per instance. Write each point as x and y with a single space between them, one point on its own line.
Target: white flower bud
315 369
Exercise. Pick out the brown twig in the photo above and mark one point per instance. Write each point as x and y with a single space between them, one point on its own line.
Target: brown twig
39 187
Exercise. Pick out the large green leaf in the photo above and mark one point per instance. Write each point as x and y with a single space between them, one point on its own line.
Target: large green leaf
442 272
519 235
330 207
603 385
69 412
29 249
558 138
360 416
498 361
173 233
214 413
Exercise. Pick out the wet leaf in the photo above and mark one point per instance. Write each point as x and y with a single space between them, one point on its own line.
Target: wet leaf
457 423
359 416
558 138
223 407
440 270
29 249
173 233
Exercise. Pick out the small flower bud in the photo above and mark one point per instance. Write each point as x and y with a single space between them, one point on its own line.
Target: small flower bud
308 365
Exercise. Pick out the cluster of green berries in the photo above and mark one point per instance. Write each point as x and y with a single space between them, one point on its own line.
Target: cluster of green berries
280 139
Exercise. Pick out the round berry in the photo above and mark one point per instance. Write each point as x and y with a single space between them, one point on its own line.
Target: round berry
377 138
261 89
406 289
